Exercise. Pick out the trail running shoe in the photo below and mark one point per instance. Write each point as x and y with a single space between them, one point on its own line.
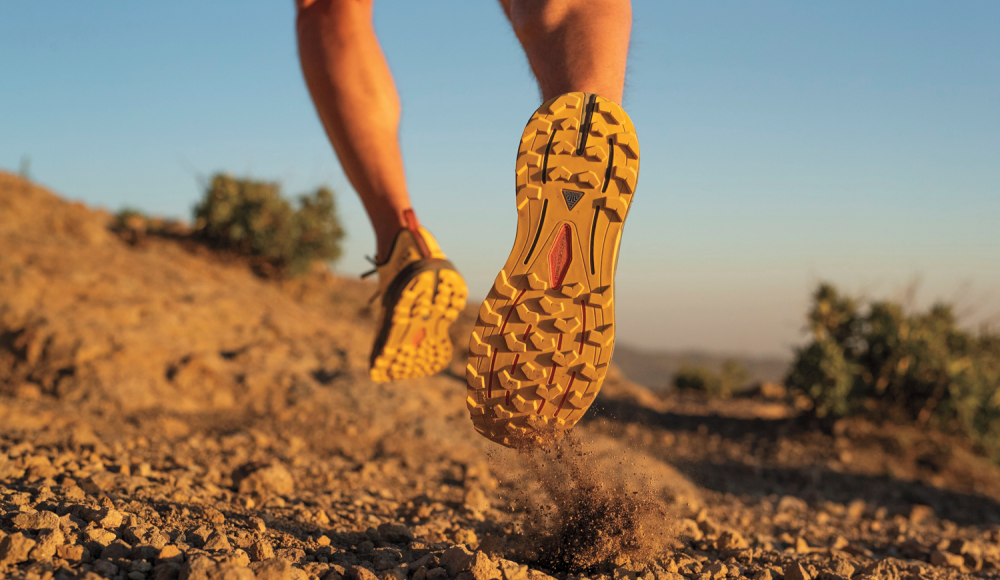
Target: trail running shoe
545 334
422 294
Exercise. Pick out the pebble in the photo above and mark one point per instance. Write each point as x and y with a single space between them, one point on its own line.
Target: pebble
942 558
395 533
796 571
264 479
217 542
15 548
35 521
359 573
260 550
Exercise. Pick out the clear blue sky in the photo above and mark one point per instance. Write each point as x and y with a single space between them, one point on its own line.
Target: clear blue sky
783 142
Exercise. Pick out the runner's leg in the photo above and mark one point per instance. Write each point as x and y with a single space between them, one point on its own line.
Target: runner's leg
356 99
574 45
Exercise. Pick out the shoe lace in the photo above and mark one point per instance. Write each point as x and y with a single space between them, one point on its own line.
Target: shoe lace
372 261
377 293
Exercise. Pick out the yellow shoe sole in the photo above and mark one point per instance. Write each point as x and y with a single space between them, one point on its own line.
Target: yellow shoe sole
541 347
413 340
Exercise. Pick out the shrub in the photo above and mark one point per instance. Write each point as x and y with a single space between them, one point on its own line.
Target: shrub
251 218
130 223
702 379
880 361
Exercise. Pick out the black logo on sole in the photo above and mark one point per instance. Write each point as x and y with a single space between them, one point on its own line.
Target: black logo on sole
572 197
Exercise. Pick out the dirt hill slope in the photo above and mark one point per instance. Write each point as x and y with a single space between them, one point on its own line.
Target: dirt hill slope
166 414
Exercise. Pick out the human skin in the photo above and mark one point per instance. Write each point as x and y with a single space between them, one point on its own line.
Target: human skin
571 45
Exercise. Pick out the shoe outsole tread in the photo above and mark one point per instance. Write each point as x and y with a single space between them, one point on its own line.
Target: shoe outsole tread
545 334
417 342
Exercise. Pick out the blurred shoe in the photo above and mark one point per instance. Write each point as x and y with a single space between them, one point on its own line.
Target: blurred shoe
545 334
421 295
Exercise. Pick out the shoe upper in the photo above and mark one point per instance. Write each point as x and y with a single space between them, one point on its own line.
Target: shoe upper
411 245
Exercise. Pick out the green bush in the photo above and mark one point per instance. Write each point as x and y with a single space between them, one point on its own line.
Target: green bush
251 218
702 379
881 361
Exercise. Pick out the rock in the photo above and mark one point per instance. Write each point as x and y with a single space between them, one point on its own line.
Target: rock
293 555
856 509
802 546
690 529
117 550
166 571
15 548
920 514
213 515
264 479
456 559
965 547
359 573
106 518
790 503
143 535
170 553
260 551
240 558
476 500
41 520
393 574
395 533
71 553
718 570
100 536
386 558
145 552
709 528
879 570
438 574
795 571
205 568
731 540
274 569
46 544
841 567
942 558
106 568
217 542
466 536
763 574
99 482
483 568
513 570
199 535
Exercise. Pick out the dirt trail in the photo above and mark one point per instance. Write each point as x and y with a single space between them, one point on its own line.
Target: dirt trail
166 414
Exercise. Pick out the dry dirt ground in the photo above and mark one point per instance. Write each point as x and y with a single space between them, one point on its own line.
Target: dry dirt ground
166 414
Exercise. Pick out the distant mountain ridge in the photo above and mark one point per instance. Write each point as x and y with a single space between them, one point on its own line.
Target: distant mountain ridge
656 369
